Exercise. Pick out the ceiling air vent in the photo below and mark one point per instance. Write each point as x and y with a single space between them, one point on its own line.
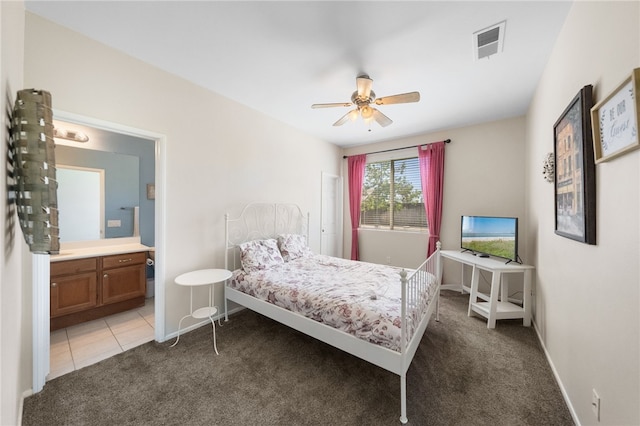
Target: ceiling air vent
488 41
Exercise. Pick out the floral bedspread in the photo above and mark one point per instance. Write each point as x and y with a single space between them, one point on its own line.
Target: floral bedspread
360 298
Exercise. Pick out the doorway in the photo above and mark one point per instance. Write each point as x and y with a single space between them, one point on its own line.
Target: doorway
331 220
40 314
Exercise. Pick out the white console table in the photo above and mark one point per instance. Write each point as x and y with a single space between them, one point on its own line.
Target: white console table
490 307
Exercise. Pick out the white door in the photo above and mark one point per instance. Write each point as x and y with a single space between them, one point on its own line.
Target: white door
331 238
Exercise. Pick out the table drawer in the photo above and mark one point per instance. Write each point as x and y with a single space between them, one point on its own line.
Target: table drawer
126 259
75 266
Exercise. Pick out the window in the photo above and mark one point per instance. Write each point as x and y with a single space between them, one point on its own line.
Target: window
392 196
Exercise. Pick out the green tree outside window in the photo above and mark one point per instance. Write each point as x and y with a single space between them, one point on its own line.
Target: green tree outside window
392 195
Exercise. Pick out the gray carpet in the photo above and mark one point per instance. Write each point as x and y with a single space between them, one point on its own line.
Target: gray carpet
268 374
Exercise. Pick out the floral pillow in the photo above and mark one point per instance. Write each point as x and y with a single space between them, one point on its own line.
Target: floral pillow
259 255
293 246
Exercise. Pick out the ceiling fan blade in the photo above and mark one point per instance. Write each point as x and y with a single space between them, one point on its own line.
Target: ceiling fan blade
346 117
337 104
382 119
399 99
364 86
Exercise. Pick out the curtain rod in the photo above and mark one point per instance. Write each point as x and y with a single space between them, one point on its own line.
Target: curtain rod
398 149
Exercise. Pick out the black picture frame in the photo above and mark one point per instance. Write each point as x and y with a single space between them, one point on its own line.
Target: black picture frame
575 174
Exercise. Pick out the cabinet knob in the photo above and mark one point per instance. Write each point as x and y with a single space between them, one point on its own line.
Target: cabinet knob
105 276
54 284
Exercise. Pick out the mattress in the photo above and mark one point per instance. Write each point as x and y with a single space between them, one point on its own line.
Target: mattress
359 298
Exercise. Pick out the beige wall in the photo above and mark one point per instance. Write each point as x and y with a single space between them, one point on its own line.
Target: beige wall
15 321
219 154
404 249
484 175
587 297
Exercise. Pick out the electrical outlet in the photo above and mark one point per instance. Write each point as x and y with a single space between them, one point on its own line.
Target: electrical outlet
388 260
595 404
114 224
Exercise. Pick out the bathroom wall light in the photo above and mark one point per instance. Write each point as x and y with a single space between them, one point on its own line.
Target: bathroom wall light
71 135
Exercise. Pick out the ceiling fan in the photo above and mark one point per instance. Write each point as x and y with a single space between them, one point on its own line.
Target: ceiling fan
362 99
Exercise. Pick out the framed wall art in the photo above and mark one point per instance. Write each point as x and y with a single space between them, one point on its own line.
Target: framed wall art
615 120
575 180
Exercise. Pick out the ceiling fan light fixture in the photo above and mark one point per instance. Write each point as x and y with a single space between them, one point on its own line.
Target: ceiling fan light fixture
353 115
366 112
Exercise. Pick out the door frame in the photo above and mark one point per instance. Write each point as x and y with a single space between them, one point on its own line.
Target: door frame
40 268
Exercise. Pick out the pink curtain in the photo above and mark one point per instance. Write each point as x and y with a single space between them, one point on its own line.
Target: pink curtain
356 165
431 158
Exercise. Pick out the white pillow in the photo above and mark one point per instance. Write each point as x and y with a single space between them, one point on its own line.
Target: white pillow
259 255
293 246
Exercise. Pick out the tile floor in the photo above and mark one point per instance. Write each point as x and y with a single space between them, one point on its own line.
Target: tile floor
84 344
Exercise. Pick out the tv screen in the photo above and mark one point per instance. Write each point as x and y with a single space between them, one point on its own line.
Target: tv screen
492 236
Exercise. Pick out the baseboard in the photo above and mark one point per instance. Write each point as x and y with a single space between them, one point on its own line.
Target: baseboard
24 396
452 287
201 324
565 395
236 310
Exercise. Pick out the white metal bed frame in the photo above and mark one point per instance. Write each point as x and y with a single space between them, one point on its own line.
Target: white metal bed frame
262 221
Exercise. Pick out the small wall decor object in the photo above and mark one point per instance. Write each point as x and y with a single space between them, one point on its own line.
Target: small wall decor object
615 120
575 180
549 168
35 173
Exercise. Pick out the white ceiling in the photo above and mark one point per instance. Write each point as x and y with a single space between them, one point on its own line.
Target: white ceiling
281 57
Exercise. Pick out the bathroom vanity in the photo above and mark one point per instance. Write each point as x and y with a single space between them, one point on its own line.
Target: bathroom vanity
92 282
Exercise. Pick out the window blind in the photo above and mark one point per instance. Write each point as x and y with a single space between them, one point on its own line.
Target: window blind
392 195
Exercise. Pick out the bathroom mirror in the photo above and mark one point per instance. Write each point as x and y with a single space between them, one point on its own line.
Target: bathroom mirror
80 203
129 167
98 194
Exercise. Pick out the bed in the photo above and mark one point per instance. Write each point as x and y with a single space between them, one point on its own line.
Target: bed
378 313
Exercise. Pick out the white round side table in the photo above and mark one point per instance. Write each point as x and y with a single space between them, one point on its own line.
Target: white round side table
199 278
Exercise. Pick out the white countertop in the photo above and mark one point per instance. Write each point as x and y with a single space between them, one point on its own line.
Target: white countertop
106 247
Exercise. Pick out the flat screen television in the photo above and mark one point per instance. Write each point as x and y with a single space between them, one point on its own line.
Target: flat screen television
490 236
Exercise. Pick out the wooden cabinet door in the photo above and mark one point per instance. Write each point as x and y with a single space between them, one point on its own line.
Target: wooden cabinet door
124 283
73 293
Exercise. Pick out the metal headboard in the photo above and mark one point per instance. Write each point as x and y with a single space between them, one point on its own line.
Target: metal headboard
260 221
